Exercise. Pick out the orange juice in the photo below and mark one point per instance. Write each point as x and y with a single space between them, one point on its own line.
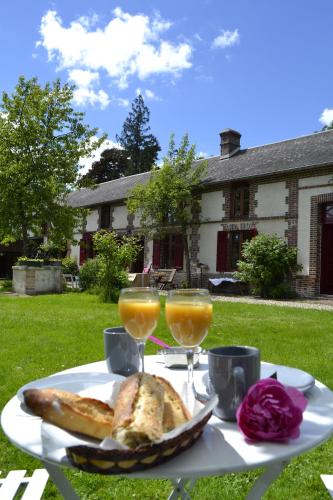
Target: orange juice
188 321
139 317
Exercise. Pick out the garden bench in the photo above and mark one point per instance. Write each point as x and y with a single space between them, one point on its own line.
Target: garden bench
10 485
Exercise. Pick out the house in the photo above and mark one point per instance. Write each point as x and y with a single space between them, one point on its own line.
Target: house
284 188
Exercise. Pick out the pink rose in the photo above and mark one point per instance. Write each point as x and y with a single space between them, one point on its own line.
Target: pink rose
271 412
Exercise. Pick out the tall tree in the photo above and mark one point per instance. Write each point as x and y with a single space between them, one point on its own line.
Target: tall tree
113 164
166 202
142 147
41 141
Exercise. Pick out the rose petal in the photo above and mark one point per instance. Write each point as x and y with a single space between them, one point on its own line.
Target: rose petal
297 398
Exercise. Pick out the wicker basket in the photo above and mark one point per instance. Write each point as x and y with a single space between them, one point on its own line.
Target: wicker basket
124 461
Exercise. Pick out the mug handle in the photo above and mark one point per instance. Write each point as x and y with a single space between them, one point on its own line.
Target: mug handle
239 386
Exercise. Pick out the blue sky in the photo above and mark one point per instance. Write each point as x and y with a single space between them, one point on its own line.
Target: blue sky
264 68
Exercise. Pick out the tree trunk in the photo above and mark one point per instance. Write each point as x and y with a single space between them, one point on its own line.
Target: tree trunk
187 258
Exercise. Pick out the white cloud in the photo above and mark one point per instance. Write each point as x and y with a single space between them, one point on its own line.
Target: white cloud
128 45
226 39
84 93
122 102
87 161
149 94
202 154
326 118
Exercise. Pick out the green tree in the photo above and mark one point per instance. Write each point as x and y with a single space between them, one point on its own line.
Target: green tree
167 202
114 257
142 147
268 264
113 164
41 141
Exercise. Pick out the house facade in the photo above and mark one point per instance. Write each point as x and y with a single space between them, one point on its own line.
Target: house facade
284 188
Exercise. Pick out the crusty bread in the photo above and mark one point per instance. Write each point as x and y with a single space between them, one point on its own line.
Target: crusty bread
71 411
175 412
138 413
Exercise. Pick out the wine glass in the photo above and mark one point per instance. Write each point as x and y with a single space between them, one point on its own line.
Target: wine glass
139 310
189 314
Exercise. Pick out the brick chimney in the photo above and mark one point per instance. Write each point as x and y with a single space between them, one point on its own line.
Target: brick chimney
230 142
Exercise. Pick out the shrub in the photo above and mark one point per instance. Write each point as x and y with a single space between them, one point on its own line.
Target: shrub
69 265
88 274
114 256
27 261
6 286
282 291
268 265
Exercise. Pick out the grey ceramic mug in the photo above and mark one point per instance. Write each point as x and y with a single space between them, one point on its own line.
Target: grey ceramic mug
232 370
121 351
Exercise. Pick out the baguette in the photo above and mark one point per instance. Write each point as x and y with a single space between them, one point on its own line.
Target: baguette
138 413
71 412
175 412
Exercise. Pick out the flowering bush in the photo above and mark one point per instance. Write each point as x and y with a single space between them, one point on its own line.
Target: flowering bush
268 264
271 412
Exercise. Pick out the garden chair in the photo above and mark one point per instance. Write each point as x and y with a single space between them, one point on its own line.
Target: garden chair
69 280
10 485
167 283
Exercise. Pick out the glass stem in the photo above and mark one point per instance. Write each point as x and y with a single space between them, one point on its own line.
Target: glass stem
189 355
141 348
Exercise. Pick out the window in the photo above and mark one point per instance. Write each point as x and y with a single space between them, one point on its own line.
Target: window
105 217
240 201
229 247
86 248
168 252
328 214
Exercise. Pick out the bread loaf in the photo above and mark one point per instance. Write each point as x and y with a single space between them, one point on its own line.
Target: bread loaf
138 412
71 412
175 412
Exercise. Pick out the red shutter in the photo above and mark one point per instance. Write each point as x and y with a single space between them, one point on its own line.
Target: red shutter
179 251
156 253
82 252
222 251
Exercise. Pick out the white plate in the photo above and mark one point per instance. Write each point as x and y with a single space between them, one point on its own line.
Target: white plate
292 377
72 382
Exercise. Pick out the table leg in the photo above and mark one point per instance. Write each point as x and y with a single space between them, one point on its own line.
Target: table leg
179 490
61 482
265 480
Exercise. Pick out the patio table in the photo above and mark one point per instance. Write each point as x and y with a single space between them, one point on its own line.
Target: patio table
222 449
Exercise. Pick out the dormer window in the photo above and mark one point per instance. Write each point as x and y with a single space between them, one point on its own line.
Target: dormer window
240 206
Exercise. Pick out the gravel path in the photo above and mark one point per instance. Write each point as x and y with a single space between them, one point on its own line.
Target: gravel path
319 304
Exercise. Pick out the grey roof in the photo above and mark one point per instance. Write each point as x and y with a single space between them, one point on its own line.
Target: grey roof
286 156
305 152
107 192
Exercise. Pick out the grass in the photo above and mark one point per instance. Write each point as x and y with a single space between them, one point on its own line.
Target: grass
44 334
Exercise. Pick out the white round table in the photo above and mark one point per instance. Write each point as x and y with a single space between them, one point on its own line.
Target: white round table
221 449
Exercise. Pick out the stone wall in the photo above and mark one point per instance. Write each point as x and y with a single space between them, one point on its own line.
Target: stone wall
37 280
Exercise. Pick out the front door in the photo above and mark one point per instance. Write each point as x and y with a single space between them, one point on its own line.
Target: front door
326 279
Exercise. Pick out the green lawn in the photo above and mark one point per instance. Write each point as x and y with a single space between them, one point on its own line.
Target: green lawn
44 334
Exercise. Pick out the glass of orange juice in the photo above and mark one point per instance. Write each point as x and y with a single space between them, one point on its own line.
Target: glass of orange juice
139 310
189 314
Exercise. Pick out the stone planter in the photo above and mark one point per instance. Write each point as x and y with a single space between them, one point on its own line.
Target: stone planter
31 280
